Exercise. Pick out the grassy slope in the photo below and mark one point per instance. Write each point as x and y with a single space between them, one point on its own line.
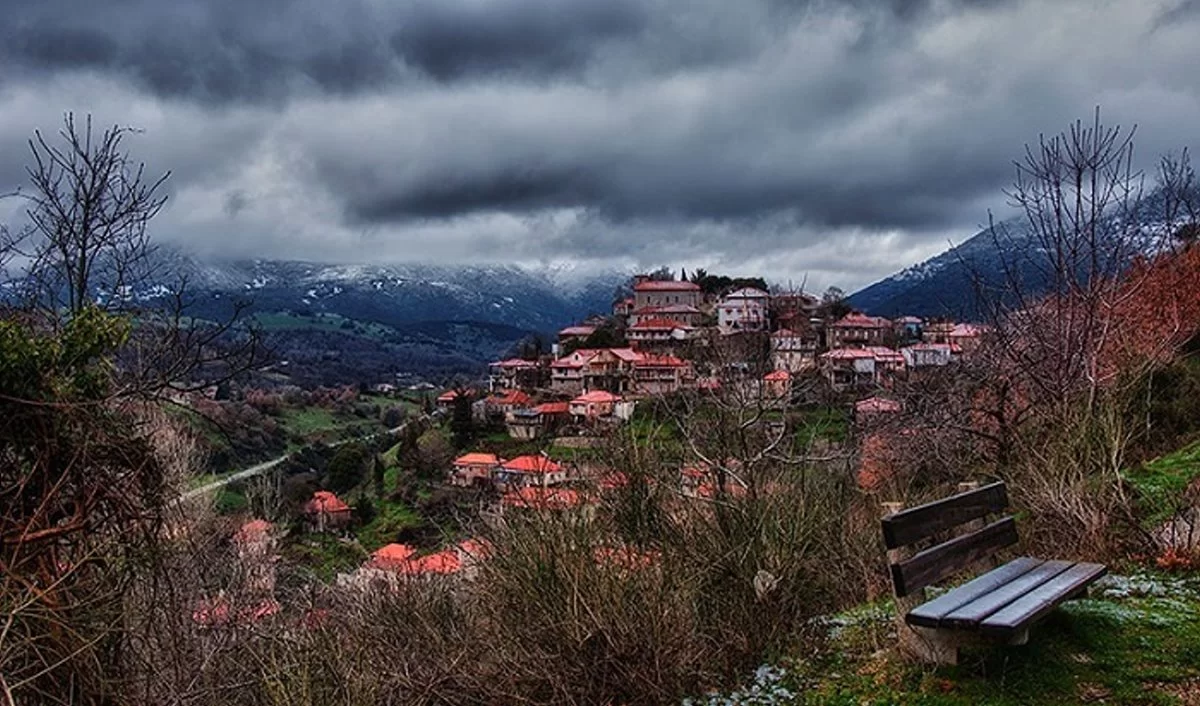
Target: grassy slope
284 321
1161 483
1136 642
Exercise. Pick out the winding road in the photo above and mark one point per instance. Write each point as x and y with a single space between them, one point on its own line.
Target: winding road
268 465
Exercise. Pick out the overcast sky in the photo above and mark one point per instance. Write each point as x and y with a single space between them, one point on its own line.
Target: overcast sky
838 140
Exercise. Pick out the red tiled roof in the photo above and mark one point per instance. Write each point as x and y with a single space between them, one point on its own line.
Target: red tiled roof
510 397
476 548
252 531
451 395
576 359
888 354
777 376
538 498
531 464
477 459
847 354
596 396
514 363
858 320
391 556
577 331
626 354
665 286
323 501
876 404
443 562
966 330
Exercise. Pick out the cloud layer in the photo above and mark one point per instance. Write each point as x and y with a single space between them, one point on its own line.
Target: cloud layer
838 140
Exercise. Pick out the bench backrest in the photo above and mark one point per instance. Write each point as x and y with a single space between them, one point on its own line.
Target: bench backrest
935 563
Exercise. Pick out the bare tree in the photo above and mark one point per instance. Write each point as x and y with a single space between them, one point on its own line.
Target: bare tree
87 244
85 467
1181 197
89 209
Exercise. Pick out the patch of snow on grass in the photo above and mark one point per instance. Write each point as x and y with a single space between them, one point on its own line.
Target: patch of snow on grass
767 689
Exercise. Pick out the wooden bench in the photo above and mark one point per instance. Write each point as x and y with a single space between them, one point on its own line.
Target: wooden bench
997 607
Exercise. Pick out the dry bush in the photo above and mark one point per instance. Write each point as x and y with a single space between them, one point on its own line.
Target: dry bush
575 607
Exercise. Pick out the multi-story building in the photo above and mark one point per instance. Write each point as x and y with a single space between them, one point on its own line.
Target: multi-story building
861 367
745 309
937 331
566 373
793 351
594 405
473 469
857 330
660 374
501 402
575 333
659 333
929 355
525 471
610 369
794 310
647 292
515 373
685 314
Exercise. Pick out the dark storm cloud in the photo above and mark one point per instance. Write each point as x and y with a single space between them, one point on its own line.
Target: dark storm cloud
771 132
449 40
230 50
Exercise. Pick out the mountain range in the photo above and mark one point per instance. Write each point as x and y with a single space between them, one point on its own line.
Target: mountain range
947 284
339 323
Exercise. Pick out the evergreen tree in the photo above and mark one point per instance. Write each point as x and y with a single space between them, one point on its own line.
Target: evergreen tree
462 425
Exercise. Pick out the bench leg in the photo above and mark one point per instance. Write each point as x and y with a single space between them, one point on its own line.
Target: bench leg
928 646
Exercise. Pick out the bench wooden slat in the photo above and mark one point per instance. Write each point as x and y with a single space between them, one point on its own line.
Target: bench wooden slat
969 616
915 524
1040 601
938 562
930 614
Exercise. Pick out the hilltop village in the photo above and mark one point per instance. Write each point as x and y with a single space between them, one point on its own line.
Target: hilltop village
535 434
671 336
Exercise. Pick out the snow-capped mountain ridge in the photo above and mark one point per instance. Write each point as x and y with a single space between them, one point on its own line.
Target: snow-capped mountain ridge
538 299
945 285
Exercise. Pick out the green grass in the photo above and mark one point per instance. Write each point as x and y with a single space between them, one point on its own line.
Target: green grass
1137 642
230 501
309 420
1160 484
391 517
825 423
311 424
326 555
286 321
